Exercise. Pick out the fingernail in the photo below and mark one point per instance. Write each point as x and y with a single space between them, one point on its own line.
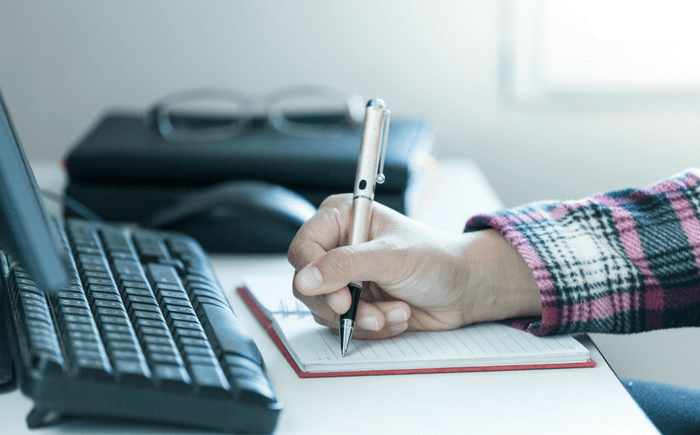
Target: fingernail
396 315
369 323
309 279
333 301
398 327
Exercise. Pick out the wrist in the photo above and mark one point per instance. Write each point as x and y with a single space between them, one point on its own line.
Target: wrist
501 284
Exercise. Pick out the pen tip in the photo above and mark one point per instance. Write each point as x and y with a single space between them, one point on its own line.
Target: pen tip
344 353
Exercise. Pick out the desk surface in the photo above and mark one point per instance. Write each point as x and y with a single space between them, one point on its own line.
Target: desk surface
561 401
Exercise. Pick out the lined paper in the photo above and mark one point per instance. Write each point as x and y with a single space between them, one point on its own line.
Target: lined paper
316 348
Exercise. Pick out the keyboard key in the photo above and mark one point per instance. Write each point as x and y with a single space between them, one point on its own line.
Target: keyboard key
122 255
153 323
145 307
93 368
177 294
159 348
102 288
109 327
87 250
79 335
179 316
165 358
86 344
93 267
76 311
82 327
230 336
71 295
176 301
132 372
48 362
123 345
123 277
105 296
107 304
119 320
154 331
190 341
111 312
127 267
206 360
142 300
95 274
129 355
247 380
210 380
157 339
72 318
163 274
187 325
170 309
200 351
175 263
204 300
159 287
186 332
139 314
136 284
131 291
171 377
73 303
100 281
120 336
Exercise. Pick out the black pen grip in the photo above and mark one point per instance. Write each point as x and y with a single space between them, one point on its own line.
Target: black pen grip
355 291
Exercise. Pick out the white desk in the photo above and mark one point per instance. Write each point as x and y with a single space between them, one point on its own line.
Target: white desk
562 401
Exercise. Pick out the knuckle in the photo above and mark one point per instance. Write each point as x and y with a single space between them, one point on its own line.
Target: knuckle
337 200
338 262
294 253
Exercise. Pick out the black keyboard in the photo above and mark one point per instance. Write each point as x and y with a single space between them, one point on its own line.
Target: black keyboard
144 331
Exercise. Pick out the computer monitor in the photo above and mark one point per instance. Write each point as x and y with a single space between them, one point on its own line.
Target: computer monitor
26 231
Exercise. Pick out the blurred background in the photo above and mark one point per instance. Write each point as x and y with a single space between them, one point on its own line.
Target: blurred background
553 100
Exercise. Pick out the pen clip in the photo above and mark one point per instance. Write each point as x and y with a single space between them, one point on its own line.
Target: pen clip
385 132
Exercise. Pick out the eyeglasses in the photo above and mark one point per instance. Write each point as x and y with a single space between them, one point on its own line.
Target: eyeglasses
208 115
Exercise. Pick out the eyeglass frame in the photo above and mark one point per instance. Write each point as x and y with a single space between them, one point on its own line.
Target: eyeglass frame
273 114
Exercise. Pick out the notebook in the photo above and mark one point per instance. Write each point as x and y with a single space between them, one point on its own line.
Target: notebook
314 350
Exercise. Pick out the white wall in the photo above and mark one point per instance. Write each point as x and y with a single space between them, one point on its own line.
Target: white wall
62 63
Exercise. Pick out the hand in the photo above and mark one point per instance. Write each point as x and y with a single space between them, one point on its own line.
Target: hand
419 278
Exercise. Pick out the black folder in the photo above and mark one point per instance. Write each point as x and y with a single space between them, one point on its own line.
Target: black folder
123 169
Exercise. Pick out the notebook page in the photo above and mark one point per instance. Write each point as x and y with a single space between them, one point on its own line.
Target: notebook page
317 349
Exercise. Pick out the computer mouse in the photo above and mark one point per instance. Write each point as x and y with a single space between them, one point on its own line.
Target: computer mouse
243 216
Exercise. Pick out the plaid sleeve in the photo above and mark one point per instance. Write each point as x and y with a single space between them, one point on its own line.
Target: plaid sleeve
619 262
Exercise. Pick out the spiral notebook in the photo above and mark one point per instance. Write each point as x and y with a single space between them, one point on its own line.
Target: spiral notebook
314 351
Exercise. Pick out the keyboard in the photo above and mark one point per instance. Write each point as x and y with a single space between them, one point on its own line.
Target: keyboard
143 331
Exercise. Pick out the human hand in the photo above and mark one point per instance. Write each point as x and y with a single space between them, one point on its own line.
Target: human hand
419 278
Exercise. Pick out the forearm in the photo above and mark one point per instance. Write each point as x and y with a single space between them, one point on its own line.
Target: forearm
621 262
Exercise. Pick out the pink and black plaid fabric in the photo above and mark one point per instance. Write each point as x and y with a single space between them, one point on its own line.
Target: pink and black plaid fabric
619 262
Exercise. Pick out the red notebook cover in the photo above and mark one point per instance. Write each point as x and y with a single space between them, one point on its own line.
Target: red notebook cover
267 323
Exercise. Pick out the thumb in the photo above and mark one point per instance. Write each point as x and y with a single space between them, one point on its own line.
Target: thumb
338 267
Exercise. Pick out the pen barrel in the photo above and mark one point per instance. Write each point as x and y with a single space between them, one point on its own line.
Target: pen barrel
370 149
366 175
361 217
355 291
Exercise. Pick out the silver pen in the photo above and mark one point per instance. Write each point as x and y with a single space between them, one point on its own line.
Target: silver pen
370 171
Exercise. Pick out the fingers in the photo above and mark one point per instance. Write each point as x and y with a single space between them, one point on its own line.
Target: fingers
324 231
374 320
371 261
327 306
